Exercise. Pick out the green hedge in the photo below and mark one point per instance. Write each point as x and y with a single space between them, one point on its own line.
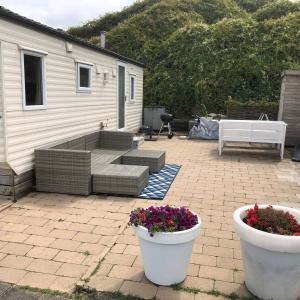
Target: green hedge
255 104
200 52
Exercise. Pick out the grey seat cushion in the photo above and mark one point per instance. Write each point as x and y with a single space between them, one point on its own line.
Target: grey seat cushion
154 159
150 154
120 179
102 157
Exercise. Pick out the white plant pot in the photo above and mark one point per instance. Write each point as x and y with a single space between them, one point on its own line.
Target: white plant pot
166 255
271 261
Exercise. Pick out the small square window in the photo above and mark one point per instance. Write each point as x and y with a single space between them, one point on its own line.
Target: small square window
132 88
83 77
33 80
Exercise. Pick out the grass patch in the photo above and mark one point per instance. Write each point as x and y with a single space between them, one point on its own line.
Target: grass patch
92 294
213 292
43 291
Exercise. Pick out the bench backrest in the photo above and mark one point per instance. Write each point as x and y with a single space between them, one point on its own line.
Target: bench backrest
252 131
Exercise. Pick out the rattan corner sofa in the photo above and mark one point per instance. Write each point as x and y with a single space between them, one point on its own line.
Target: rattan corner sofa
93 164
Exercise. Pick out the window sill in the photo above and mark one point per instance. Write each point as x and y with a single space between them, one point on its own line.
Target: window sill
34 107
86 91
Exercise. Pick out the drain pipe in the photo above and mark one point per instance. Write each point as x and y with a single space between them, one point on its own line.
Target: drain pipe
102 38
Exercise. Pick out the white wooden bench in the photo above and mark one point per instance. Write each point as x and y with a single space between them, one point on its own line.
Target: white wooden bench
256 131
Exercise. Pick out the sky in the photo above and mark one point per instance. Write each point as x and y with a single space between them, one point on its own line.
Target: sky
64 13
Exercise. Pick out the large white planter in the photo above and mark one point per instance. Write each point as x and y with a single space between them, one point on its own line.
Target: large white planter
166 255
271 261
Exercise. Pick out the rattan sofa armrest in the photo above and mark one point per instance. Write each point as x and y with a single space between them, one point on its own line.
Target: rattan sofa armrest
63 171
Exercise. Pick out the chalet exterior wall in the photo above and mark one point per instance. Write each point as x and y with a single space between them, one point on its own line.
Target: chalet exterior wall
68 112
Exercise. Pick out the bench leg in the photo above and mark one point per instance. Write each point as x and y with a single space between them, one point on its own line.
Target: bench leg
220 147
281 150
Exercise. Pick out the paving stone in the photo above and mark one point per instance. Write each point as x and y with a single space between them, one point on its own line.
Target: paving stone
125 272
71 270
78 219
14 227
11 275
201 259
105 284
167 293
128 239
91 248
120 259
132 249
231 288
81 227
2 244
118 248
44 266
16 262
15 237
101 222
203 284
37 230
38 240
218 251
65 244
104 269
105 230
203 296
37 280
57 224
15 248
139 289
216 273
42 252
62 234
87 237
63 284
70 257
193 270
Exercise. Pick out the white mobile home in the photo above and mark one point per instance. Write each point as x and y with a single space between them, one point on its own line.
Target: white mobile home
54 86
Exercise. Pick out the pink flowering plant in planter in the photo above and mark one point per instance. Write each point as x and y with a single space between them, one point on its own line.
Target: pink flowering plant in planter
163 219
166 235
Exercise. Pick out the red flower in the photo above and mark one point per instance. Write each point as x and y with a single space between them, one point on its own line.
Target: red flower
143 216
272 221
170 222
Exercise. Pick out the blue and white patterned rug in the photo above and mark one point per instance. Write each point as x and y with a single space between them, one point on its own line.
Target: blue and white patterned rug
159 183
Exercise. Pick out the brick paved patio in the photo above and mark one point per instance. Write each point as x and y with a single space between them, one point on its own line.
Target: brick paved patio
55 241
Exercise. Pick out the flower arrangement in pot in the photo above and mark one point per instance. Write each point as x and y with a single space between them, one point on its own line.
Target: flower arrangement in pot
166 236
270 242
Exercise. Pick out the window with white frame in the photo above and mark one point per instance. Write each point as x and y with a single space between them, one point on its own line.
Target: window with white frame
84 77
132 88
33 80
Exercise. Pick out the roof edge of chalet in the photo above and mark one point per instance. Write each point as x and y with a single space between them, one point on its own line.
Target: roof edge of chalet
12 16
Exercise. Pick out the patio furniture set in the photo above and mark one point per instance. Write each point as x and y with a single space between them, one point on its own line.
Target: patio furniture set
100 162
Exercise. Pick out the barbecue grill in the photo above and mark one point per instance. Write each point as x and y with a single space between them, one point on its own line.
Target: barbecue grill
166 124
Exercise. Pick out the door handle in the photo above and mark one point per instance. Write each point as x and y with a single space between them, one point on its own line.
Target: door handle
125 98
